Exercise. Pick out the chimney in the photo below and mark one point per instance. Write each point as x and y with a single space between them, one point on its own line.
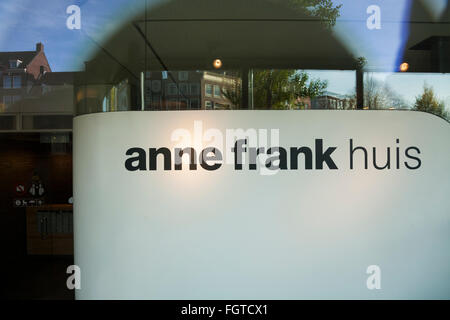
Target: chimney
39 47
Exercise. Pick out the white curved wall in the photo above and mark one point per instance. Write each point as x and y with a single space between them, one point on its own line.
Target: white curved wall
230 234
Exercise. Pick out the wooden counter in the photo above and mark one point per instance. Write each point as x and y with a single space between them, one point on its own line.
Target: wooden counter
50 229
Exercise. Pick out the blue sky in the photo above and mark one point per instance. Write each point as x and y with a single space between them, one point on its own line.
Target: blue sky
407 85
26 22
379 46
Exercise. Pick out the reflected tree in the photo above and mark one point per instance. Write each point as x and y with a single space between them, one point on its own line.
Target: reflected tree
277 89
232 90
428 102
374 97
324 10
280 89
378 95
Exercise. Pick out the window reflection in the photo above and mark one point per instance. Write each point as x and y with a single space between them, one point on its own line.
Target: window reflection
143 55
426 92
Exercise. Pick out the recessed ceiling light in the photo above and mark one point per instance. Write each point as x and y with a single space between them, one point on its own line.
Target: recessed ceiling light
404 67
217 63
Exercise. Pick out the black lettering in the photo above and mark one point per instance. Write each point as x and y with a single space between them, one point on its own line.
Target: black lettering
238 150
308 157
192 158
398 155
253 154
204 158
140 159
352 150
419 162
282 157
322 157
388 160
153 155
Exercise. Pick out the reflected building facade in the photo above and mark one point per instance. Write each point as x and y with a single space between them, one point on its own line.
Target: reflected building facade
32 97
184 90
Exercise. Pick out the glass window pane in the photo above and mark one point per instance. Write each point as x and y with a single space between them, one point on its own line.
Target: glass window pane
208 89
60 59
216 91
427 92
7 82
17 81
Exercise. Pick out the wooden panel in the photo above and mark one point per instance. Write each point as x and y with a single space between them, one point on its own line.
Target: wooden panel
51 244
36 245
62 244
32 223
21 155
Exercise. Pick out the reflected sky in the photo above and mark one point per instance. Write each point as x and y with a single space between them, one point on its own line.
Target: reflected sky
435 7
407 85
381 47
25 22
340 82
410 85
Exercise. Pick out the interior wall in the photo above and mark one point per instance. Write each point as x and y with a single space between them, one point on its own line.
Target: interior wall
20 156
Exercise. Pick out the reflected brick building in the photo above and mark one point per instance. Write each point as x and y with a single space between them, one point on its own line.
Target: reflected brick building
19 71
32 97
331 100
